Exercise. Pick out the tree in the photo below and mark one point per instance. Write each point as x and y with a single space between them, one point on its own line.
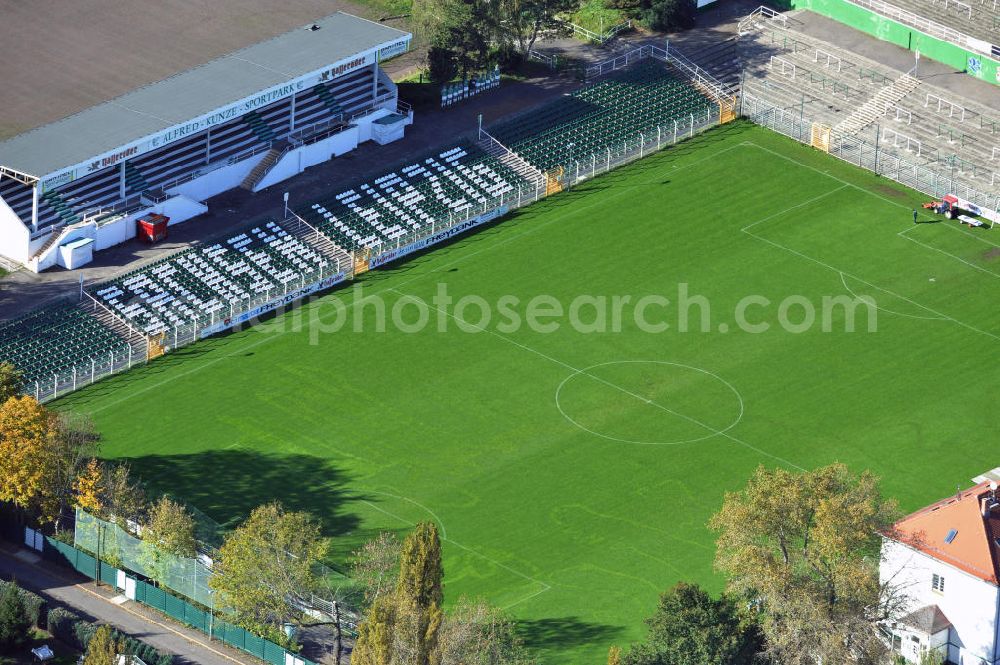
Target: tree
614 656
266 566
103 648
11 380
805 547
421 575
669 15
523 20
89 487
475 632
15 628
690 627
375 566
374 645
26 434
41 455
124 500
402 626
72 447
167 535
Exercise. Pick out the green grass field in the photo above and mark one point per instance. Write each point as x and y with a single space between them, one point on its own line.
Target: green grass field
572 473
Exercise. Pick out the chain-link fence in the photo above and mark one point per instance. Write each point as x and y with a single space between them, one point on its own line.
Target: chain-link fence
863 150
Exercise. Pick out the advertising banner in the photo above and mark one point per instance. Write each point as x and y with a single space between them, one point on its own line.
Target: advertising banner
271 305
393 254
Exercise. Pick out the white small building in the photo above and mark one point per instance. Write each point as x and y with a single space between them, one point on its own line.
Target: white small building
943 561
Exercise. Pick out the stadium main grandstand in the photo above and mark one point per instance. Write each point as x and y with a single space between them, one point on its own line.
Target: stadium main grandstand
249 119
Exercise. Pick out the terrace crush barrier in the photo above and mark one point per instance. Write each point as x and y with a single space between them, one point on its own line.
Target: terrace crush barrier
861 150
910 31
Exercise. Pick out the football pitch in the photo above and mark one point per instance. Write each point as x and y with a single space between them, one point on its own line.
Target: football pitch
572 461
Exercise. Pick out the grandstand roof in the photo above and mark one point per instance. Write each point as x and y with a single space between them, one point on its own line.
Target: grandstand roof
193 93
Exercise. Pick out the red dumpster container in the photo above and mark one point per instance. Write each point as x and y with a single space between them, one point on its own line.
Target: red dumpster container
153 228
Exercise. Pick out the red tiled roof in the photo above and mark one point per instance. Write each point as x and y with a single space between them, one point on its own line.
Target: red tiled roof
973 548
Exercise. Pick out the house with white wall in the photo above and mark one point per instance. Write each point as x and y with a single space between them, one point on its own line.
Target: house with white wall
942 560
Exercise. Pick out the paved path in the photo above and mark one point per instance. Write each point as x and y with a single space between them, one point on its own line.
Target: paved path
61 586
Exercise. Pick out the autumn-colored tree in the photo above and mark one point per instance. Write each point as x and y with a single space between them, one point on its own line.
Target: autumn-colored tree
267 565
27 431
72 447
11 379
614 655
421 575
402 625
167 535
805 547
103 648
89 487
375 566
124 499
374 645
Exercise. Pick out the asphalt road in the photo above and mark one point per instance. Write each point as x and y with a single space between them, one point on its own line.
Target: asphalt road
62 587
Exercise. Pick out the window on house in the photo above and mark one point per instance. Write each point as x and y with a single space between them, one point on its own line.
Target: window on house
937 583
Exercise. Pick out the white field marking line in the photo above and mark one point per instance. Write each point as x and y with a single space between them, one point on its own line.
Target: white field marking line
960 228
732 388
873 303
545 586
616 387
949 254
875 286
852 276
794 207
321 319
828 175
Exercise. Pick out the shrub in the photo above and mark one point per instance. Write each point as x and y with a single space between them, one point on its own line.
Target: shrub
34 605
15 626
62 624
670 15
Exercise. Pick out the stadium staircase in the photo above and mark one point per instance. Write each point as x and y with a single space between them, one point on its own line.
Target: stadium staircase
721 60
264 166
511 160
854 99
262 130
310 235
873 109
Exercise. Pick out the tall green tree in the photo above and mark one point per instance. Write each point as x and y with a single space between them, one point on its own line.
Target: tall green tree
421 575
11 379
167 535
806 546
401 627
103 648
690 627
522 21
15 627
374 645
267 566
669 15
